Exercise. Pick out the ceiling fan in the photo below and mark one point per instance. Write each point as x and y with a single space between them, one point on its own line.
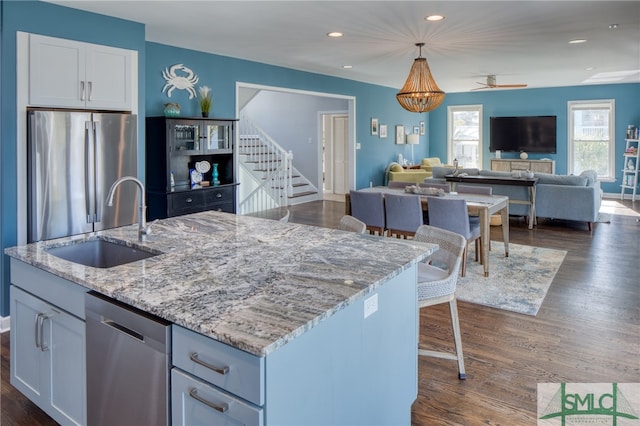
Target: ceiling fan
491 84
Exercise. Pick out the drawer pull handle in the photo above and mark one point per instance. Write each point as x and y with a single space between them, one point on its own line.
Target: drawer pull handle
219 195
188 200
220 370
193 393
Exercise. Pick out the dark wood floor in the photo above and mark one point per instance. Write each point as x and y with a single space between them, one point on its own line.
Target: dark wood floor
587 330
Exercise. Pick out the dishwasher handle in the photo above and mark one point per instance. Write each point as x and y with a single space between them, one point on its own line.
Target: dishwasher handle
121 328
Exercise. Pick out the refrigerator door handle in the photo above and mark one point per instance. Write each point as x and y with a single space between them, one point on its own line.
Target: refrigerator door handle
90 172
98 159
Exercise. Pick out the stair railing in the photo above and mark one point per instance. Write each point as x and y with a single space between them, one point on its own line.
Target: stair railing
272 167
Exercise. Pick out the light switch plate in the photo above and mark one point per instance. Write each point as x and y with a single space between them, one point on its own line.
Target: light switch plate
370 305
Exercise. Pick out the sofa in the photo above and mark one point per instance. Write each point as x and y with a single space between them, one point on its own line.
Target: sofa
567 197
395 172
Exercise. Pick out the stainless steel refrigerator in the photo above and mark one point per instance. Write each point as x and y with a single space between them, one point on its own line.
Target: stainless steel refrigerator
73 158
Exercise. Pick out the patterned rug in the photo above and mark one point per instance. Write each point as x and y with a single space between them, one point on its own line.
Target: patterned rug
516 283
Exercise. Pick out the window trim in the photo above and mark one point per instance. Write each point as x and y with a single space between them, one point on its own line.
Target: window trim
575 105
457 108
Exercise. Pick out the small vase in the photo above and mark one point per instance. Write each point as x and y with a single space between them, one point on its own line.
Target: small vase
171 109
214 174
205 114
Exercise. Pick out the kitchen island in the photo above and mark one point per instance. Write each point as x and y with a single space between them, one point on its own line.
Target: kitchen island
326 319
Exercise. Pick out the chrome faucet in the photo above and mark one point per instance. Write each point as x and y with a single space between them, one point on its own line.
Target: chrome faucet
143 229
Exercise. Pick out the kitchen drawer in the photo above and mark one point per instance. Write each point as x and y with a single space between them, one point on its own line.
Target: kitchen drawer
243 373
219 195
186 202
194 402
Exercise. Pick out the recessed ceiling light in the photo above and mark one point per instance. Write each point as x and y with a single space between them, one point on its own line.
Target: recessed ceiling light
578 41
434 18
335 34
589 68
347 67
613 26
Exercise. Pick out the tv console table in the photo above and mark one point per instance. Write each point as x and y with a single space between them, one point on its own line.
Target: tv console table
536 166
493 180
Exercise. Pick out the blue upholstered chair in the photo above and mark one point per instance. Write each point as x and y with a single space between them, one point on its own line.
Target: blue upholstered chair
452 215
403 214
350 223
437 281
474 189
368 207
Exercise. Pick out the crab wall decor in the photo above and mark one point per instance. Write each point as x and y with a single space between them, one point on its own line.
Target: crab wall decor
181 82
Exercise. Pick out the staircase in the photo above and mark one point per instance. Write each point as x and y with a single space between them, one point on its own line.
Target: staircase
267 172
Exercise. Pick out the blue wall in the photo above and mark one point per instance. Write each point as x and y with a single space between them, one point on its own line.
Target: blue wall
551 101
221 74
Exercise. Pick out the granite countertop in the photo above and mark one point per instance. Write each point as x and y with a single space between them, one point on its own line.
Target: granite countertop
249 282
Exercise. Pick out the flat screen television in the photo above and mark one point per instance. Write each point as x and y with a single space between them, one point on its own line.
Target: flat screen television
528 134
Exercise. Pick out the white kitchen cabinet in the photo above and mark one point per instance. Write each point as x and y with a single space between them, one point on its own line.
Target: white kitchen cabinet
48 342
72 74
47 357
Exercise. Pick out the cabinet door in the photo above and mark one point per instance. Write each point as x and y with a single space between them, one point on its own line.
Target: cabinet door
184 137
500 166
27 360
48 357
56 72
66 367
108 77
217 137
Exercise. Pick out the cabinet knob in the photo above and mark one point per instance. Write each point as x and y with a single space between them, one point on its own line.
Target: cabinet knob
188 200
219 195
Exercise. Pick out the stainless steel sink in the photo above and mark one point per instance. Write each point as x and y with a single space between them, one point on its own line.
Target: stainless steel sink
100 253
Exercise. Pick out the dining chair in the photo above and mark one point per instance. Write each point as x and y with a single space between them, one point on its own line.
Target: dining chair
368 207
452 215
399 184
474 189
437 282
403 214
444 186
350 223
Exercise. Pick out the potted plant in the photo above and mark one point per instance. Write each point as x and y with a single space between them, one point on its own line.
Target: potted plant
205 100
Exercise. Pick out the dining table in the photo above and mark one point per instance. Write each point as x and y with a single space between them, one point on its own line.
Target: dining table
479 205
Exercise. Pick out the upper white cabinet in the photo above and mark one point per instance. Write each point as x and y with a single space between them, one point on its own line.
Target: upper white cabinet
72 74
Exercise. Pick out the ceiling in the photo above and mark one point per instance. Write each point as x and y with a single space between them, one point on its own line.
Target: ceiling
518 41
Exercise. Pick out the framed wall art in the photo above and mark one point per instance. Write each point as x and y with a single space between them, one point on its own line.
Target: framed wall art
399 135
422 128
374 126
383 130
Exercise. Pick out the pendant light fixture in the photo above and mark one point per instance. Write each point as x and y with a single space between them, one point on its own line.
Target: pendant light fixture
420 92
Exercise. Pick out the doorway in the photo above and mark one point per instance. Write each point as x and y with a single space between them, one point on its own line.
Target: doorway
290 116
335 149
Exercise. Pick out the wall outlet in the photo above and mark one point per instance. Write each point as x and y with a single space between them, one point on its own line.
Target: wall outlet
358 145
370 305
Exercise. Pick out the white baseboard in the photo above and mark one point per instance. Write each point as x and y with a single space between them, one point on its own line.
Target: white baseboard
4 324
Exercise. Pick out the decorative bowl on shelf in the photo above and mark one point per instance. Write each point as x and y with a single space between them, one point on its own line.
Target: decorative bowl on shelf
171 109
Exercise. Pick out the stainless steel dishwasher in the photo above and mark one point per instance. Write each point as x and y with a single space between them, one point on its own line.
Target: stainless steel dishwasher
128 364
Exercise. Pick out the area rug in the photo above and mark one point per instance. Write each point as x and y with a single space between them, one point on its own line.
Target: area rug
603 218
516 283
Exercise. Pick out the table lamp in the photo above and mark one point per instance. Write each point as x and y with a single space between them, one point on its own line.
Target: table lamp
413 139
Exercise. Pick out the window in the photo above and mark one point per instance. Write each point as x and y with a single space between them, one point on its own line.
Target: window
591 141
465 135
